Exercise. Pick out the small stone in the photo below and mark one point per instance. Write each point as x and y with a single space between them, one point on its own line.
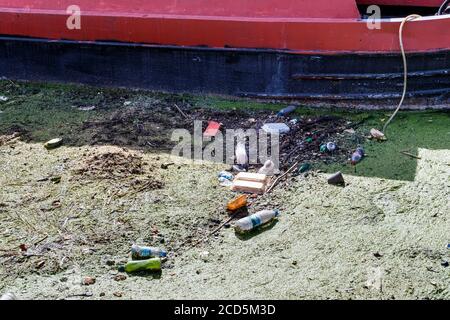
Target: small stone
294 263
118 294
120 277
87 281
102 294
377 255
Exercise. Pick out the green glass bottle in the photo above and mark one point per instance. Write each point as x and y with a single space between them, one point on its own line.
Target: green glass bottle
153 264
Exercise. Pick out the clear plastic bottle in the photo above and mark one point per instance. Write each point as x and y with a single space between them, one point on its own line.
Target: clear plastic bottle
255 220
153 264
286 111
268 169
142 253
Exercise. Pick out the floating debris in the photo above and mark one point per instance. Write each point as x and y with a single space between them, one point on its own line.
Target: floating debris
336 179
255 220
53 144
276 128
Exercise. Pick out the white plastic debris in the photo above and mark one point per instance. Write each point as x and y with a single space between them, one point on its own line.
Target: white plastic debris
276 128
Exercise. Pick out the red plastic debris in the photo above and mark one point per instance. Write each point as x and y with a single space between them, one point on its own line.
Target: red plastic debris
213 129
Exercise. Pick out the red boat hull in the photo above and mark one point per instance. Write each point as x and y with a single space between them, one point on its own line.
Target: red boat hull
268 48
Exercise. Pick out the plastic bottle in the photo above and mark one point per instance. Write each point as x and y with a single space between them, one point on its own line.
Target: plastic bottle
328 147
142 253
357 156
241 153
304 168
284 112
268 169
227 175
153 264
255 220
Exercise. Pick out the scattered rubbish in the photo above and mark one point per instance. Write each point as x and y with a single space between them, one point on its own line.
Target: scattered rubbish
87 281
445 263
23 247
357 156
225 179
3 98
127 103
276 128
255 220
336 179
410 155
153 264
238 203
52 144
166 166
223 182
143 253
448 246
284 112
241 154
377 135
8 296
213 129
309 139
225 174
88 108
293 121
118 294
204 256
239 168
250 183
248 176
249 186
328 147
304 168
268 169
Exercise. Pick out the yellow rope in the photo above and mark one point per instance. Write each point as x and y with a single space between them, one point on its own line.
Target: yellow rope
405 68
